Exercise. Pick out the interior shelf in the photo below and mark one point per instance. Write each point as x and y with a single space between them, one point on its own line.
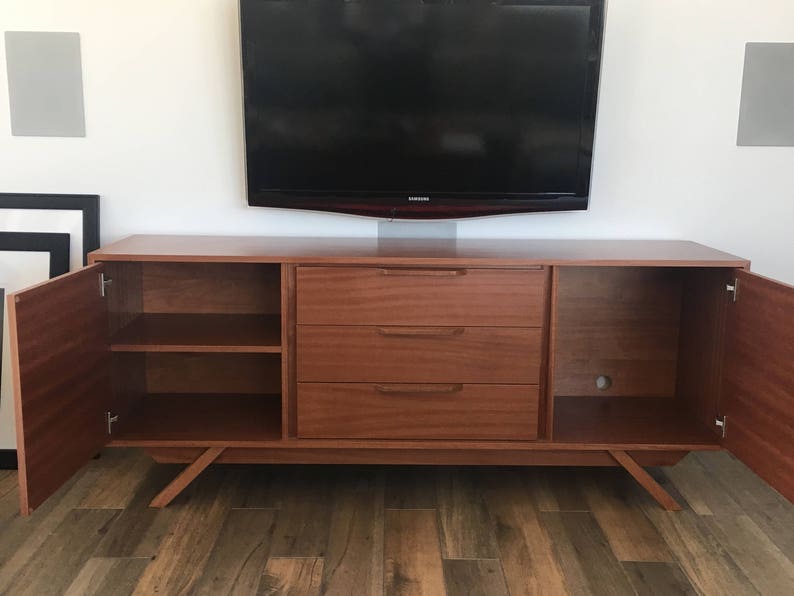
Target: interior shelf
628 420
199 418
200 333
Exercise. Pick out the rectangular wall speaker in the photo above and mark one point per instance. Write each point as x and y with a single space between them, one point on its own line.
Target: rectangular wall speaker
766 114
45 84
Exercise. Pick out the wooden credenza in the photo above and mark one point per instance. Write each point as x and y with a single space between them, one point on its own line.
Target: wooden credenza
475 352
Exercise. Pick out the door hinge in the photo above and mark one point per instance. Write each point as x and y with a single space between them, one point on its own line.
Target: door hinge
722 424
103 284
110 420
733 288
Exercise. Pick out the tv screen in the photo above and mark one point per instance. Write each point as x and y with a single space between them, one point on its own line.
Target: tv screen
411 108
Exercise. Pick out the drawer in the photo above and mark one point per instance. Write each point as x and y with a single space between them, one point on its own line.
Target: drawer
418 354
415 411
401 296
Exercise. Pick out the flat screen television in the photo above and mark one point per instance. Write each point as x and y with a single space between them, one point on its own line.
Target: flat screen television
420 108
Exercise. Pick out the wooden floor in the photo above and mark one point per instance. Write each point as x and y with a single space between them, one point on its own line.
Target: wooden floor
375 530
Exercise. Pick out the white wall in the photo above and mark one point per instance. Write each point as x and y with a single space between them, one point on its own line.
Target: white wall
164 129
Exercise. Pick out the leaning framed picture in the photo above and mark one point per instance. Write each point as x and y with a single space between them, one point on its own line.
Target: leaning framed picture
76 215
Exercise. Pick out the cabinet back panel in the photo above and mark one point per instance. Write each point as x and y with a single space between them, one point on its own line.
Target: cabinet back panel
124 294
129 383
211 288
621 322
213 373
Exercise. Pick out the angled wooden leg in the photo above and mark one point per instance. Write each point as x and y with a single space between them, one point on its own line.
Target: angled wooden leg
185 477
646 480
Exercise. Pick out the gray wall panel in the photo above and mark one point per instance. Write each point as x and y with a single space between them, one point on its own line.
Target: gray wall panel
766 115
45 84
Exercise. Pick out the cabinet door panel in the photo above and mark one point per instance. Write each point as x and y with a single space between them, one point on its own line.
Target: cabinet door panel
61 366
758 379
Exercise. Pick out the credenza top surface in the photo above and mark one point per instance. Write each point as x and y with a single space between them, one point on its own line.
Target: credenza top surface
372 251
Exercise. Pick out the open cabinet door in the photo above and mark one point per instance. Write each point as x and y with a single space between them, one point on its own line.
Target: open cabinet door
758 379
60 359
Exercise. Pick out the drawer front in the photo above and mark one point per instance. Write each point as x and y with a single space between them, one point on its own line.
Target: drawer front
418 354
399 296
415 411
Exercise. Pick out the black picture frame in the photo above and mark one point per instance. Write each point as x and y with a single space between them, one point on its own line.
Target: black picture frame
87 204
57 245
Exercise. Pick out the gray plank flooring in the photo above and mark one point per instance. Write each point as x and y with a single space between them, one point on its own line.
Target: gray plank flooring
403 530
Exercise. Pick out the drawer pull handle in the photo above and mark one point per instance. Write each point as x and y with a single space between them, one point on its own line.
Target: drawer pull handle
413 389
423 272
420 331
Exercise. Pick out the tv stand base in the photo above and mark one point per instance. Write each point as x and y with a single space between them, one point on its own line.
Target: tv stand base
198 459
188 475
646 481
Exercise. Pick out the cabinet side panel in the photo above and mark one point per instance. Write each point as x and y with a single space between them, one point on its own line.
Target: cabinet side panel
544 398
546 429
61 365
702 342
124 294
289 406
125 304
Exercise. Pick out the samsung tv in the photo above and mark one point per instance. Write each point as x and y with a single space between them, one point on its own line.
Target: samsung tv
420 108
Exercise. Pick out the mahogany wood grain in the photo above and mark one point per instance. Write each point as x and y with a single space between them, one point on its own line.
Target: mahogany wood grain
124 293
412 251
213 373
545 342
622 323
225 288
619 306
380 456
551 391
332 353
188 475
460 297
702 342
128 377
758 379
289 389
200 333
646 481
203 418
124 296
61 368
627 420
411 411
421 444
